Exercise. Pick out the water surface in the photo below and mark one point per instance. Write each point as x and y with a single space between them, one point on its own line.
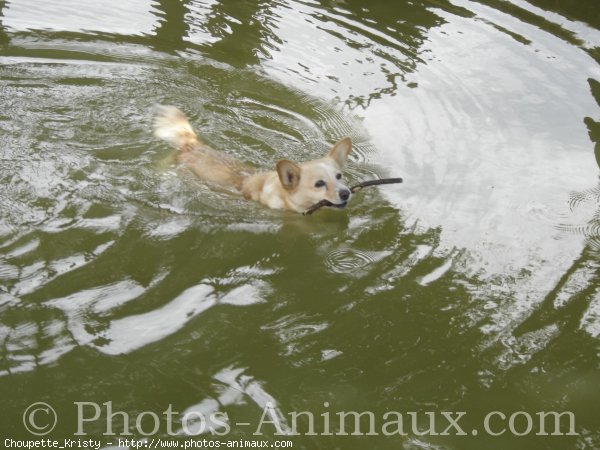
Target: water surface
471 287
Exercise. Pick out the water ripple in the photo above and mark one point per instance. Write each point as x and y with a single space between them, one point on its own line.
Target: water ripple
348 261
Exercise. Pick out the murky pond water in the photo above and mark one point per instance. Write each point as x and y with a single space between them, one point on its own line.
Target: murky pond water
472 287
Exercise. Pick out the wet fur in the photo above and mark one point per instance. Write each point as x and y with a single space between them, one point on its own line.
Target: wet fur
290 186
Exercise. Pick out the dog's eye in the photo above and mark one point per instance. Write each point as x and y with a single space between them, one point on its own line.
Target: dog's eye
319 184
339 176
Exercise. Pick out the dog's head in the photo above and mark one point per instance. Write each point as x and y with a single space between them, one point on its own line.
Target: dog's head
321 179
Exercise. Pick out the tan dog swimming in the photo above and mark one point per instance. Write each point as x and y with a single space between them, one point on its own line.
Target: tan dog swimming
290 186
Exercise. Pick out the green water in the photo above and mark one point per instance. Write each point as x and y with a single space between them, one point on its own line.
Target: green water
472 287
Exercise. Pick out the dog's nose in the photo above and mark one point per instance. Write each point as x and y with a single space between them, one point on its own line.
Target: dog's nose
344 194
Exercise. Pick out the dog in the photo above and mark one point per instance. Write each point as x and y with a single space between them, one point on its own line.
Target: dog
291 186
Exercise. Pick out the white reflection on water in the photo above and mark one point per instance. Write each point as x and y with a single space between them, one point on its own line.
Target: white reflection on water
240 382
591 318
123 335
323 57
235 388
589 36
133 17
484 149
92 318
132 332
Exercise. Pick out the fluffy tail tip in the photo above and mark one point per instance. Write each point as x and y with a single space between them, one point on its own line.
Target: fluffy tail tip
171 125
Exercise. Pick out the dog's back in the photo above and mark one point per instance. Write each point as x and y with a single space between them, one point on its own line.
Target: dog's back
172 126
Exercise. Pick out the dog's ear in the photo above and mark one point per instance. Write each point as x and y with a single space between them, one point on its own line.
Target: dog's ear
340 151
289 174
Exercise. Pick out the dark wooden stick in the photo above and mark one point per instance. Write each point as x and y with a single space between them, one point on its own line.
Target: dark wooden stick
359 186
316 206
353 189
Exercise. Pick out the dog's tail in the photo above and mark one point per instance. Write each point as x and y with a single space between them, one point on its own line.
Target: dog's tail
171 125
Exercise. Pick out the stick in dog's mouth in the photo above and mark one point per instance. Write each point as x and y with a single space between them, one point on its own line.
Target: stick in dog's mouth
353 189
